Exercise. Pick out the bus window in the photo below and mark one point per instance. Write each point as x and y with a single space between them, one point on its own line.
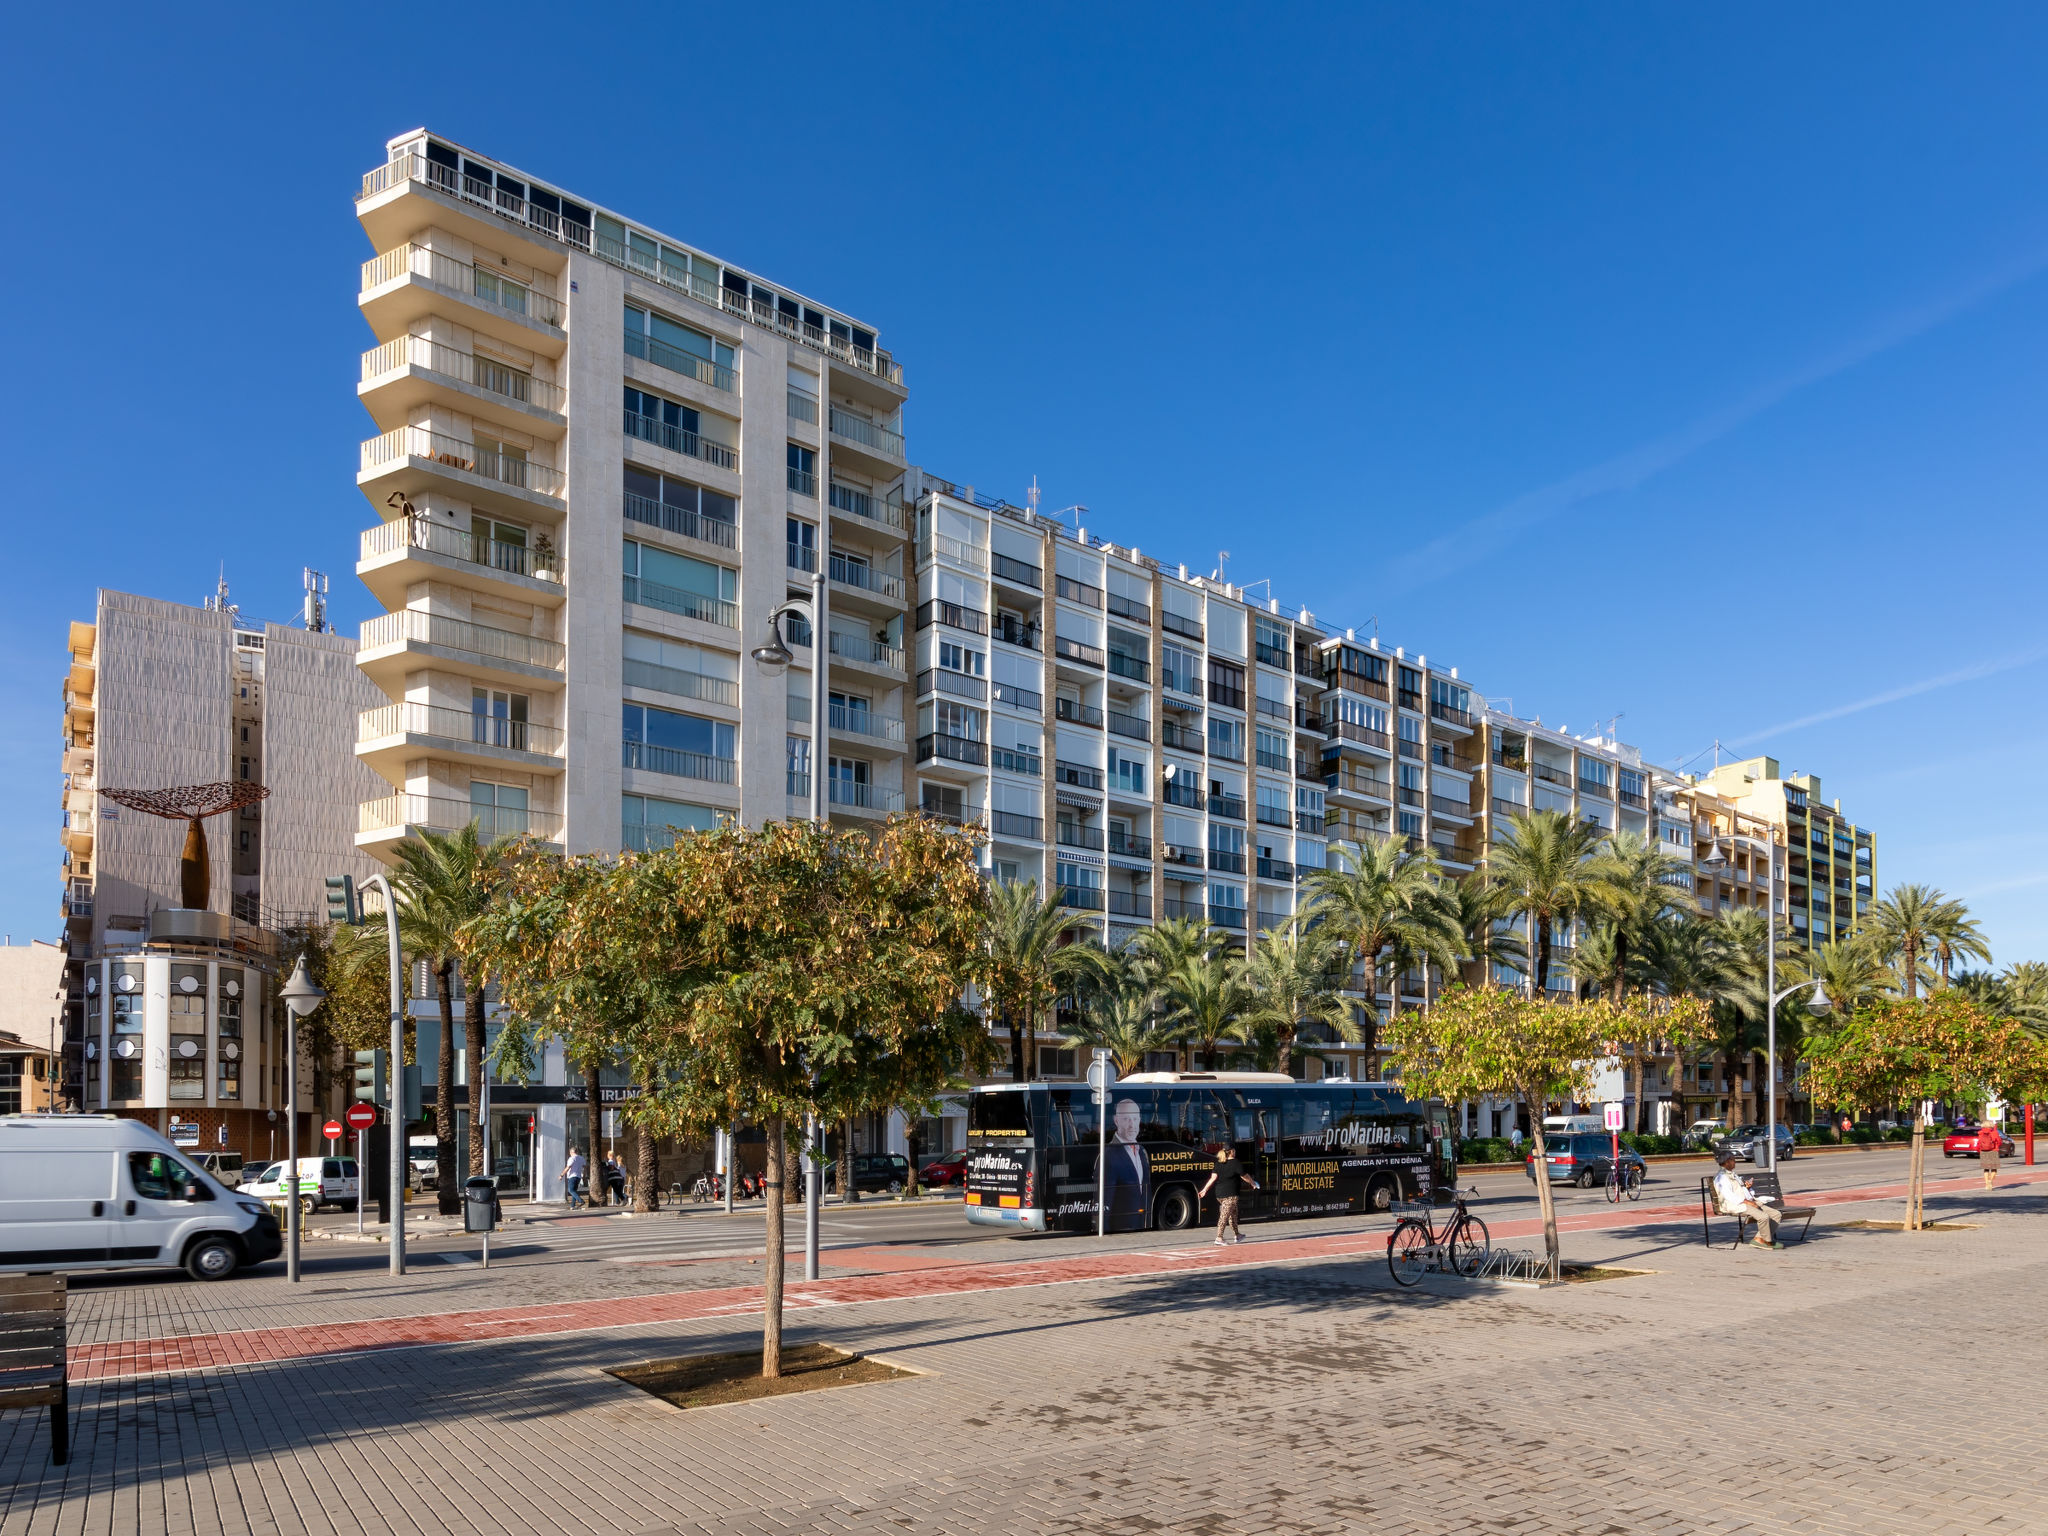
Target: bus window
1208 1124
1307 1122
1074 1115
1000 1114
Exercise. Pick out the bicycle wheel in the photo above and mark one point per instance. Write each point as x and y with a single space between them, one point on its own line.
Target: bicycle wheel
1408 1251
1469 1243
1635 1183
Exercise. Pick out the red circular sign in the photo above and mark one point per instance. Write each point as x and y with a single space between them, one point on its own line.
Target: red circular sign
362 1116
331 1129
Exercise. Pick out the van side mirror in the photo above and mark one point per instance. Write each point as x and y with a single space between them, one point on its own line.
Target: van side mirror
192 1192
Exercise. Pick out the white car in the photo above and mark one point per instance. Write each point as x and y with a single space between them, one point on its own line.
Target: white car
101 1192
322 1181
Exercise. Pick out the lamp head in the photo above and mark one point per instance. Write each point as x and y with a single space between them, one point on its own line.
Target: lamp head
300 995
1819 1003
1715 858
773 655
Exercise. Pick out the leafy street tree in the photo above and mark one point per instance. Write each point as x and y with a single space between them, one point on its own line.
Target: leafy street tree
1549 867
1498 1044
444 882
1032 960
1898 1051
1386 902
1294 978
1903 925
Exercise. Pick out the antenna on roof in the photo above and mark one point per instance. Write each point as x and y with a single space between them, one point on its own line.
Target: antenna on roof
316 600
1222 565
1031 496
1263 581
219 603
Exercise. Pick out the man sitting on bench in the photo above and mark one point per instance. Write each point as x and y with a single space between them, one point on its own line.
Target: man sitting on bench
1736 1198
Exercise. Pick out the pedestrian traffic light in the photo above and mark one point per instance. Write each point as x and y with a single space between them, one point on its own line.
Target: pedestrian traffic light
370 1076
409 1091
342 905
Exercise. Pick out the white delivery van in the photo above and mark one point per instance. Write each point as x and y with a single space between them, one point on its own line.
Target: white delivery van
101 1192
322 1181
1565 1125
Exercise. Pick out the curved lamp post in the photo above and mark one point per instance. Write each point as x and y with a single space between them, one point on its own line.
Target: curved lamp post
301 997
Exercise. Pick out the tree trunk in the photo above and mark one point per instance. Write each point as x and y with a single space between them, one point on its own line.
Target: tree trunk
646 1166
1539 978
600 1187
1286 1049
847 1193
771 1260
473 1042
1030 1045
910 1143
1619 990
1916 1186
1016 1050
447 1187
1912 970
1635 1061
1544 1200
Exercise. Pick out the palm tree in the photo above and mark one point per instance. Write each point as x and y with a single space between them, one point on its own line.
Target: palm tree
1385 902
1474 906
444 882
1165 946
1687 956
1849 970
2025 986
1638 875
1904 926
1032 961
1124 1020
1599 960
1203 996
1548 864
1295 977
1957 937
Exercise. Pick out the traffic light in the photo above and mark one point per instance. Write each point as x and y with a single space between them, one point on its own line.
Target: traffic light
370 1076
342 905
409 1089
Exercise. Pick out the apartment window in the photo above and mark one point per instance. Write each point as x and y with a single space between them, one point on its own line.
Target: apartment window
662 422
678 348
950 719
1225 903
647 822
1410 824
961 658
1057 1061
803 469
1127 773
498 719
1595 772
695 589
802 538
1352 663
669 741
1274 750
675 666
1357 712
1226 685
1226 738
499 810
663 501
1411 737
1180 669
1273 809
1450 696
1308 801
1410 682
1274 646
228 1029
943 801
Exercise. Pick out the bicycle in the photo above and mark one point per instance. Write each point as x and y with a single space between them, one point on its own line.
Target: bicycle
1624 1179
1415 1246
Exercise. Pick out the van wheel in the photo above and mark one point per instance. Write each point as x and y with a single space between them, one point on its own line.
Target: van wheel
1585 1179
1175 1210
212 1258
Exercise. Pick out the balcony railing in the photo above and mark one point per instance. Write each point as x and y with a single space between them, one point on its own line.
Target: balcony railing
1129 904
958 684
857 573
652 429
800 557
639 344
1016 572
1136 668
952 615
1085 898
802 481
486 463
1448 807
847 498
1074 712
801 407
1173 907
414 719
1180 737
869 434
457 544
866 797
1228 695
1077 592
464 368
1011 760
945 547
690 524
413 625
1550 775
1129 845
1080 775
1136 727
1178 791
447 814
952 749
863 722
1227 917
691 605
876 653
1226 862
1174 624
1450 714
1595 787
1230 807
1443 756
530 300
1130 608
635 673
1275 816
677 763
1631 798
1312 822
1508 807
1012 824
1075 650
1181 854
1344 730
1071 834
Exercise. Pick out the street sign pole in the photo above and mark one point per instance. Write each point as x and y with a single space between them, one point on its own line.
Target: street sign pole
362 1188
1100 1075
1613 1116
360 1118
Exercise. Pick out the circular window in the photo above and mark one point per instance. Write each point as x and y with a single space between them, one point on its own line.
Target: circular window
188 983
188 1048
128 1048
231 1050
124 982
92 983
92 1050
233 989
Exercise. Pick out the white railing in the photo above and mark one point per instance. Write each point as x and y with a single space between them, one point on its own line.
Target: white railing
486 463
460 544
414 719
802 408
956 550
866 797
869 434
414 625
688 364
861 722
463 367
875 653
444 813
691 605
529 298
684 685
652 429
851 573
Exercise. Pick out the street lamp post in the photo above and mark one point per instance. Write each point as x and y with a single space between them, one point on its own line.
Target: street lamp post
1818 1004
774 656
301 997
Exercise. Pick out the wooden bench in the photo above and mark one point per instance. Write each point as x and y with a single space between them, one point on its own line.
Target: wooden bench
1768 1192
32 1353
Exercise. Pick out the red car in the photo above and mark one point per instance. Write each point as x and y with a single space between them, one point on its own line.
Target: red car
1964 1144
942 1172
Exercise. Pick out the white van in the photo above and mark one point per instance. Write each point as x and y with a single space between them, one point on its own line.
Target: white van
101 1192
322 1181
1566 1125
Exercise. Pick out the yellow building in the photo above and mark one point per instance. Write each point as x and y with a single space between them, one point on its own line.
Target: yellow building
1829 874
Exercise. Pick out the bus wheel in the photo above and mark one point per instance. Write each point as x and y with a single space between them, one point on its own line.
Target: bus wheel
1175 1210
1379 1195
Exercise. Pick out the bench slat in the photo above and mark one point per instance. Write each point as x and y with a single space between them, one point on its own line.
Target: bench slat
30 1301
31 1397
24 1359
29 1322
31 1285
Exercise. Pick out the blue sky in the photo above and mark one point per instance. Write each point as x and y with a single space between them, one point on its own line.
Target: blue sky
1675 365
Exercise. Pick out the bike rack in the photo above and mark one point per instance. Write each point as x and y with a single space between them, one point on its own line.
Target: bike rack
1514 1266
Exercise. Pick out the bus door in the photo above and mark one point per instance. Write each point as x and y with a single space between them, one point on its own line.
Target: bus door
1255 1128
1443 1151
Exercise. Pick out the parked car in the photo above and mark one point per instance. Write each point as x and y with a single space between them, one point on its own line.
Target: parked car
1964 1144
1748 1142
888 1171
224 1166
322 1181
100 1192
1703 1133
942 1172
1581 1159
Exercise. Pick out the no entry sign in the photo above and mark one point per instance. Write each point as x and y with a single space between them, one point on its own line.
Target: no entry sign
331 1130
361 1116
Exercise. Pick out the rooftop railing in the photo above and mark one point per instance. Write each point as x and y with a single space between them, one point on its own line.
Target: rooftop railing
495 464
416 626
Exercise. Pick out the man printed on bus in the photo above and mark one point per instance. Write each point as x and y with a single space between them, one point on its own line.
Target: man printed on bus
1129 1175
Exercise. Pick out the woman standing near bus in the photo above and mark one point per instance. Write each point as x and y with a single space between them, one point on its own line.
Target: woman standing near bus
1227 1178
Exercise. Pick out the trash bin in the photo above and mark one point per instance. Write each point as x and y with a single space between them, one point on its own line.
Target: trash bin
479 1204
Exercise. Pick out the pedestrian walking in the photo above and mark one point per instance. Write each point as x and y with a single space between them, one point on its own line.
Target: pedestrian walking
572 1175
1990 1142
1229 1180
615 1177
1515 1140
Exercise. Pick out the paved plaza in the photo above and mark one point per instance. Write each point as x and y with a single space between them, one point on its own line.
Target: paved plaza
1284 1386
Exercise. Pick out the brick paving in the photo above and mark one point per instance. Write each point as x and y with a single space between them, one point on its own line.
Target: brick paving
1205 1395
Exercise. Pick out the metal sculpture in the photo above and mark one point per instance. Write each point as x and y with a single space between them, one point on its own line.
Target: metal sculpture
190 803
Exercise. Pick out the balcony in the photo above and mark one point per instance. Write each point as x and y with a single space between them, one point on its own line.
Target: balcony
1027 700
1084 898
407 550
874 439
689 605
958 684
1175 624
1450 714
862 577
1227 917
854 795
952 749
1443 754
386 734
1135 727
1129 904
1129 846
1074 712
1359 735
1071 834
1174 907
1311 822
1230 807
1013 760
1508 807
403 375
1276 869
1546 774
952 615
870 653
406 457
676 764
1275 816
1225 694
392 644
1271 655
682 440
861 504
1079 775
1181 855
690 525
1179 791
654 677
1011 824
1182 738
1596 789
1225 862
1076 651
1077 592
1462 809
1015 573
954 551
802 482
1129 608
1136 668
688 364
393 818
410 282
1629 797
863 723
